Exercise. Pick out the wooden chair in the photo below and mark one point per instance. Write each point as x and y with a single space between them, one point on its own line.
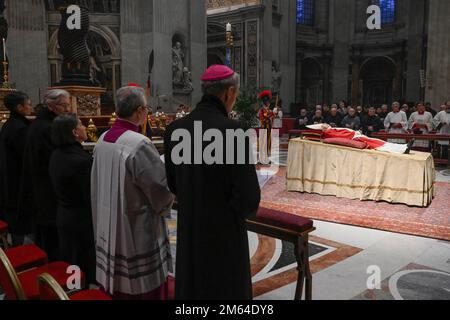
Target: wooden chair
24 286
4 234
50 289
291 228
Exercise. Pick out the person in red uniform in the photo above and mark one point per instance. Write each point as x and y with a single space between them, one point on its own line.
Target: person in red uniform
266 117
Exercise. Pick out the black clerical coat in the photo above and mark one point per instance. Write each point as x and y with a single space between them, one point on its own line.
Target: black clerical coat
374 122
70 171
214 201
12 145
38 202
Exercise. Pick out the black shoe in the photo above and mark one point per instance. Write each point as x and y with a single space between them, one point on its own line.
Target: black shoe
410 145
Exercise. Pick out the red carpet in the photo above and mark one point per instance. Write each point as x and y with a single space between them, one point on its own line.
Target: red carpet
431 222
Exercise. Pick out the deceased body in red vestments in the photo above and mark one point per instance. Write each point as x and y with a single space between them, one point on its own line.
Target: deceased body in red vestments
373 144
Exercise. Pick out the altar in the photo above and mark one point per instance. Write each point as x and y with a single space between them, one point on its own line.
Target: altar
315 167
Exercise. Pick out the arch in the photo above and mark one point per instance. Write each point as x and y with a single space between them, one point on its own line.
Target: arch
377 79
377 59
216 27
103 31
312 82
179 37
215 57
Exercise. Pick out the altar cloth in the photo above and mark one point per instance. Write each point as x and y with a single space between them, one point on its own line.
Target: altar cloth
315 167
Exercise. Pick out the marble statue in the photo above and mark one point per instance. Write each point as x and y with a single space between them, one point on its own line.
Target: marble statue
276 78
177 64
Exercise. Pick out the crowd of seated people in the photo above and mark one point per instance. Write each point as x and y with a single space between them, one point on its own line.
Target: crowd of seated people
397 119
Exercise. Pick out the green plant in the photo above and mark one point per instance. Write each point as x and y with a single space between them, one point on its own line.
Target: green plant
247 109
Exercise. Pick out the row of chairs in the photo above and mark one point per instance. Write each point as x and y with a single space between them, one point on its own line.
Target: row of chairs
26 274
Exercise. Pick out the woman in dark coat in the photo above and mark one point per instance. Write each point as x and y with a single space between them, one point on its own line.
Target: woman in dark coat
70 172
12 145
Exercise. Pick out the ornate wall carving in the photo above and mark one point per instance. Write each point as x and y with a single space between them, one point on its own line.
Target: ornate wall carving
252 54
218 4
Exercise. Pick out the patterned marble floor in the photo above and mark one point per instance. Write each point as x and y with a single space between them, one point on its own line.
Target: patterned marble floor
350 263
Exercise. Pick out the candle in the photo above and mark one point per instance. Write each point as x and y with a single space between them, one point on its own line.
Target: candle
228 27
4 49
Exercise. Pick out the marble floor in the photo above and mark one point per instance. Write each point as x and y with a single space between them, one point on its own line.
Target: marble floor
350 263
372 264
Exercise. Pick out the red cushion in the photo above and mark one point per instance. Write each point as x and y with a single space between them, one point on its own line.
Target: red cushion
96 295
57 270
346 143
26 257
3 227
284 220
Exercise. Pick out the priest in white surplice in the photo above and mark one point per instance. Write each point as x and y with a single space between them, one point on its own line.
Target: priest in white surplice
442 124
421 122
130 201
396 122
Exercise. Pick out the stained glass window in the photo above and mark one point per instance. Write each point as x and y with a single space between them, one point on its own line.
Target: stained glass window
387 10
305 12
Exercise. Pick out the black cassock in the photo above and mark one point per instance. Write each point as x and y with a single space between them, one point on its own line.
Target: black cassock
38 202
214 201
12 145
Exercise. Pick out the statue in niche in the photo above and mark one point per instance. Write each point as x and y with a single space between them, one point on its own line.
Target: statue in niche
178 65
276 78
187 79
94 70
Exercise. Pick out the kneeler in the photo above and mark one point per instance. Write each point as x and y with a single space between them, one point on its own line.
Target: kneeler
291 228
24 286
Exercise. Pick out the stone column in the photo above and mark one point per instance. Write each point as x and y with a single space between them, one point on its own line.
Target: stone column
415 49
326 61
438 64
356 60
397 92
342 17
266 29
27 46
287 49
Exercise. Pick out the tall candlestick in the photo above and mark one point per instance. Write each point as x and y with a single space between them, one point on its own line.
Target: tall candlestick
4 49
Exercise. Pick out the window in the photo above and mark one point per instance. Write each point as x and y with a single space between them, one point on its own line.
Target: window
387 10
305 12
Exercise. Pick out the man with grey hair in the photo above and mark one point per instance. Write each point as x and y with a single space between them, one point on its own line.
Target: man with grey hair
213 261
130 201
396 122
38 203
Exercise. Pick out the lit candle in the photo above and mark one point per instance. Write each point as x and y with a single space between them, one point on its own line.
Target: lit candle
228 27
4 49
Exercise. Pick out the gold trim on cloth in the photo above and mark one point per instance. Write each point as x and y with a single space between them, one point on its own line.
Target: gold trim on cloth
325 169
363 187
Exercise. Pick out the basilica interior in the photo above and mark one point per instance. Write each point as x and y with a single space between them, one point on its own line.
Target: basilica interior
309 53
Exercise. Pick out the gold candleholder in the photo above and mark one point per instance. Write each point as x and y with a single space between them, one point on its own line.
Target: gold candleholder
5 76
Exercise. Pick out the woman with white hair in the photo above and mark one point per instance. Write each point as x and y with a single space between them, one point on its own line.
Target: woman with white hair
39 204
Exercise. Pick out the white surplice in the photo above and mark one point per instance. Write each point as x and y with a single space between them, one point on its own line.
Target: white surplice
392 118
442 118
130 201
423 119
